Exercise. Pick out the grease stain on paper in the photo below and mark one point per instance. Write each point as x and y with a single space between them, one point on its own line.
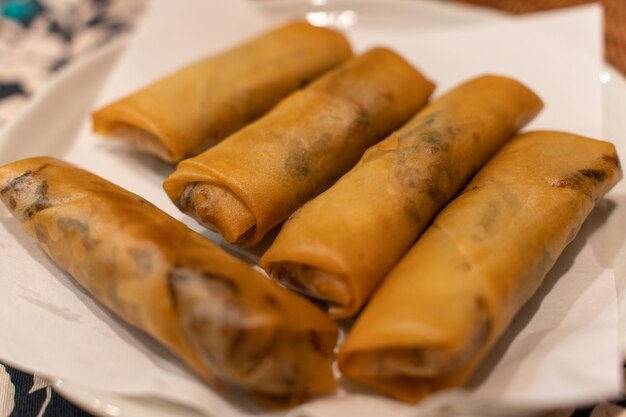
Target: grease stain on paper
52 308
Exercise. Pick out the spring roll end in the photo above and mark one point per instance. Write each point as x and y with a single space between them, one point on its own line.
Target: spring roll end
245 344
21 192
218 209
437 351
407 389
313 282
404 374
117 122
212 315
428 360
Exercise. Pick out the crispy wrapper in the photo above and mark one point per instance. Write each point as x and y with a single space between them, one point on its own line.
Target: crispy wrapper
339 246
260 175
226 321
186 112
442 308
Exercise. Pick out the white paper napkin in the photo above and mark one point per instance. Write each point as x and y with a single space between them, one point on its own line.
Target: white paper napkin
562 348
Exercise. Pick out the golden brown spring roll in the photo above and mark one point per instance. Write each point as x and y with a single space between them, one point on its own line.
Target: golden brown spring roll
225 320
188 111
251 182
339 246
442 308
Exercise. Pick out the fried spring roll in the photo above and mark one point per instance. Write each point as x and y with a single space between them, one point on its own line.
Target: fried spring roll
188 111
450 298
225 320
339 246
259 176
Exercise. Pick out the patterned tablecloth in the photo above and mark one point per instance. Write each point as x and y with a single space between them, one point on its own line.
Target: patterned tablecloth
39 37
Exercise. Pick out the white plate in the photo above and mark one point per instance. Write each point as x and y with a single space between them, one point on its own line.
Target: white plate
50 116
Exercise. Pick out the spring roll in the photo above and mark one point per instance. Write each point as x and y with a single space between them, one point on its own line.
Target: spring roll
227 321
339 246
259 176
190 110
442 308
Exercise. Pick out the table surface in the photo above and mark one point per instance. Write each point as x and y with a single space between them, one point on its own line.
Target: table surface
38 38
